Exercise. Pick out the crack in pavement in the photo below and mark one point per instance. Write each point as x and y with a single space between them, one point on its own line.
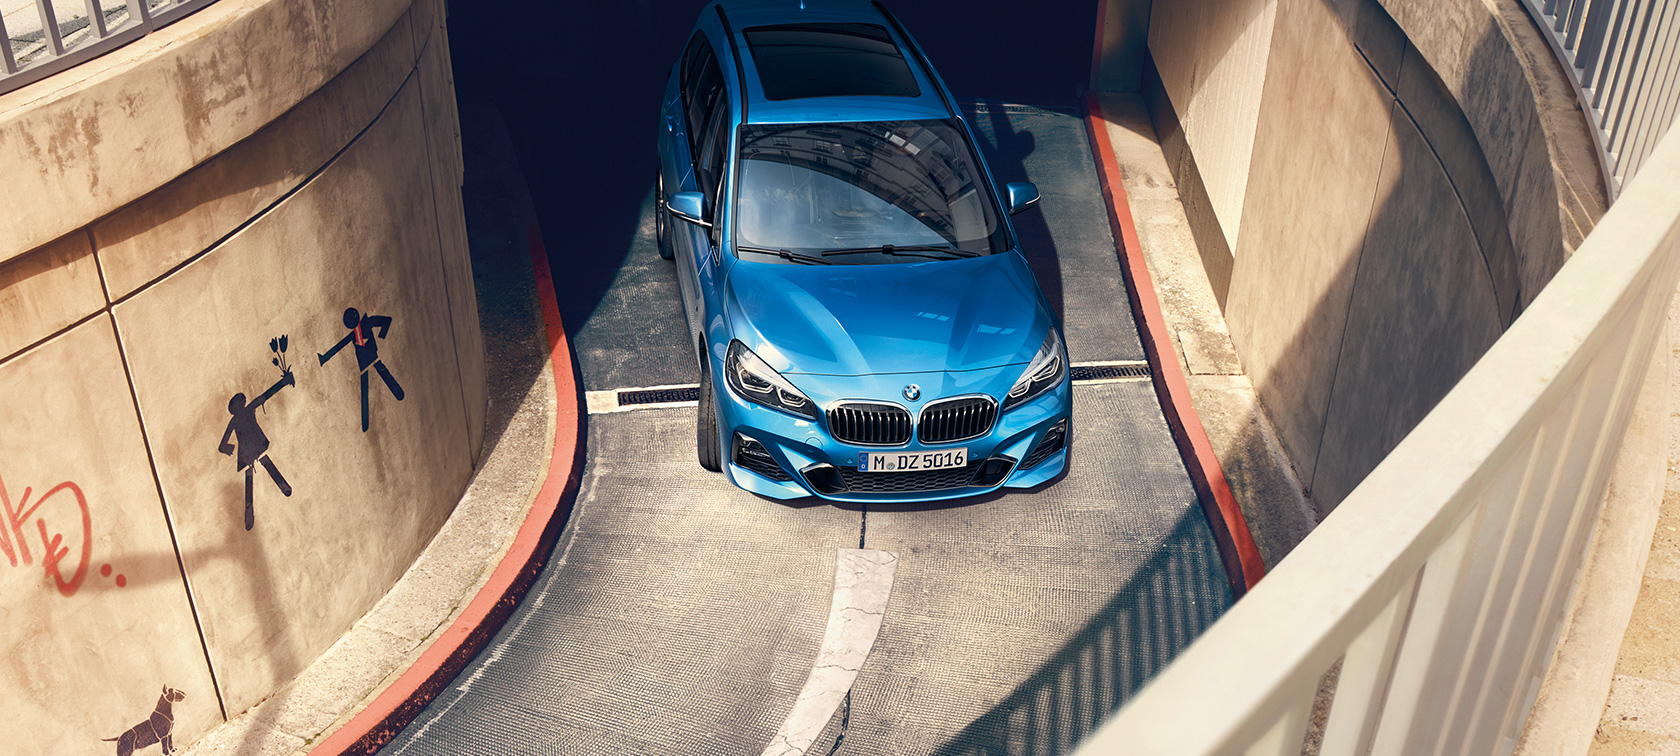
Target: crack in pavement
863 580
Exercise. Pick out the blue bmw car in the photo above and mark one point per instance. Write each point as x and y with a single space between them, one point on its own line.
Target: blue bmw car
866 327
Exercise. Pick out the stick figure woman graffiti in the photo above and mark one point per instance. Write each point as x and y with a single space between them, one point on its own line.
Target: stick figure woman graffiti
247 436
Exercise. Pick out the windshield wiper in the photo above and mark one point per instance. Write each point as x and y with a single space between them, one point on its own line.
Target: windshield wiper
785 255
908 250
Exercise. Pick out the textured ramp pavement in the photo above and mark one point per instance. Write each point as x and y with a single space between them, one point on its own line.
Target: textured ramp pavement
1017 623
682 616
679 615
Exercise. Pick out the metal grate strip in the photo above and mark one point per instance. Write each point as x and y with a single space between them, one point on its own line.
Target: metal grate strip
659 396
1097 372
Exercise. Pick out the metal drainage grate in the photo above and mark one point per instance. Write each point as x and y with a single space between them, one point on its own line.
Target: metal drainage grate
1097 372
659 396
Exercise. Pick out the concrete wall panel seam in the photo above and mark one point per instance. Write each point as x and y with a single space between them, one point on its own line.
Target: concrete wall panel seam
1311 478
235 231
1507 302
46 293
171 97
168 519
1475 47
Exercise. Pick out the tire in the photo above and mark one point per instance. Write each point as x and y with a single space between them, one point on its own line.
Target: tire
706 426
659 219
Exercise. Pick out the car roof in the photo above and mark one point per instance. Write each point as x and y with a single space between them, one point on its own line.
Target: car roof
746 15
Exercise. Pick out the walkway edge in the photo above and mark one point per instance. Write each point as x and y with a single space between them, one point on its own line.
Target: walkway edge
387 715
1237 550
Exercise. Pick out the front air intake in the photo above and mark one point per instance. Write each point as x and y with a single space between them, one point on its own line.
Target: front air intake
752 455
870 424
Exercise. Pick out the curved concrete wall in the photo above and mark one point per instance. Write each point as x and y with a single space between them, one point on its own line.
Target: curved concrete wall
201 210
1371 214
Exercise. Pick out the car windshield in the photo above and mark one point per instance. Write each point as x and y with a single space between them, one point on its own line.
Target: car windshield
863 193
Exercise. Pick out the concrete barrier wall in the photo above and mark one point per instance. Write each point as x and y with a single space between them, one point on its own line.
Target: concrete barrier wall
1208 68
1370 223
219 334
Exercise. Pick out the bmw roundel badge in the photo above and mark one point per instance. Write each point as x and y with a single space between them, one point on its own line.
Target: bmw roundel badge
912 392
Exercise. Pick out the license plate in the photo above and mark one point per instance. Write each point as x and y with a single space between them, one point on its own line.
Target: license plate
913 461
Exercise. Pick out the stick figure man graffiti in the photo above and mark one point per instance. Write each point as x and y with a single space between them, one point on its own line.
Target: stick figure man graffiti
362 335
248 438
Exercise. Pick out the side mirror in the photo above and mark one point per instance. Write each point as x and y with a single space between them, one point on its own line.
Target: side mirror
1022 195
689 206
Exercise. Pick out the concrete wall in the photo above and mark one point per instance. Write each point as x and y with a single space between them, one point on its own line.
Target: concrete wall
1370 224
164 272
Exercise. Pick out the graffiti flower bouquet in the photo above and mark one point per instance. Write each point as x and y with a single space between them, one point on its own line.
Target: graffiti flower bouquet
278 347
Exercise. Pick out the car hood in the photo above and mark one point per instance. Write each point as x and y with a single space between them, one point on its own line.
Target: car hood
871 319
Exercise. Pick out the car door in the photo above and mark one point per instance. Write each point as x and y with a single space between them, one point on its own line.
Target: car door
690 121
710 169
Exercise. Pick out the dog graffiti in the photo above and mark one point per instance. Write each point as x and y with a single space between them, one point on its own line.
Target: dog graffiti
158 728
14 542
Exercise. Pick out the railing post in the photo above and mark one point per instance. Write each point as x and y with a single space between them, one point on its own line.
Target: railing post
96 17
49 26
8 64
1367 670
1437 592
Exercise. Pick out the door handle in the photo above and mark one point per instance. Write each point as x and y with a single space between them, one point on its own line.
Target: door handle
670 122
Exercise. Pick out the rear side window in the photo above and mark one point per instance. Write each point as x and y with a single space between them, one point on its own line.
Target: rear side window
795 61
702 88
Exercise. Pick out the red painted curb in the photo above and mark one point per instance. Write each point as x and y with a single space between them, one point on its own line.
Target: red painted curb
380 722
1237 550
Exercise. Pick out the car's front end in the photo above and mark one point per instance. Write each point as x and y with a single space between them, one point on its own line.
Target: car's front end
783 456
892 383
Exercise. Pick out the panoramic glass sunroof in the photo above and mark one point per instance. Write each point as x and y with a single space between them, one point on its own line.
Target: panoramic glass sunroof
829 60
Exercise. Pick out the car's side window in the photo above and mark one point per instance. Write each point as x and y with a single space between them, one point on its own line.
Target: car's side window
714 149
702 89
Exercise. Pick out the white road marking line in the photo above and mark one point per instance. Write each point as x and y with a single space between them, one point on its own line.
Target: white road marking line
863 580
1111 363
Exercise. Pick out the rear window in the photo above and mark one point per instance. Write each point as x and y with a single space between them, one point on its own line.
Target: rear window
829 60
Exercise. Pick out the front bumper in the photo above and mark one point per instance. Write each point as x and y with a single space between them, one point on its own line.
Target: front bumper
776 455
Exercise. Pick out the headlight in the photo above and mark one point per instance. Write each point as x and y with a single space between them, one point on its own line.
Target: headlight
1045 370
755 382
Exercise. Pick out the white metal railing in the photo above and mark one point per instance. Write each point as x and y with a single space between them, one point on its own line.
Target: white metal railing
1623 57
43 37
1441 581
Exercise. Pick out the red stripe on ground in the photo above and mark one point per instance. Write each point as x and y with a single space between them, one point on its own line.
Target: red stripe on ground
1236 544
389 713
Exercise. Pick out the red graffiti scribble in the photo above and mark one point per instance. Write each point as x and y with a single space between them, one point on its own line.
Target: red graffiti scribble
15 545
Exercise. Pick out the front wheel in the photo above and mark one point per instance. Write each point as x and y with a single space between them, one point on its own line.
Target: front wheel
706 427
659 220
